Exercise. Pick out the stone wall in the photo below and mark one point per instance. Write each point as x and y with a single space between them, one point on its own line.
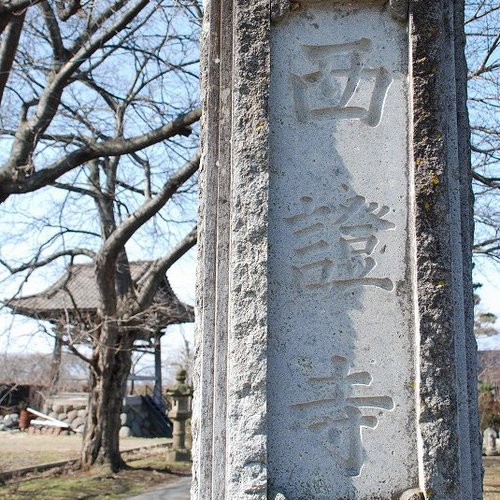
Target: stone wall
71 409
136 419
8 422
72 412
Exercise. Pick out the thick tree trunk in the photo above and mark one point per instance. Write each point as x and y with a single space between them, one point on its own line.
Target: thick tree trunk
108 386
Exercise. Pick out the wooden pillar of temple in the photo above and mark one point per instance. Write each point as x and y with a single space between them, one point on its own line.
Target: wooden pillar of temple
157 353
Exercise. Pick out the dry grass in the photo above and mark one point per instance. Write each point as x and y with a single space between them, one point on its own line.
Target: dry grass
21 449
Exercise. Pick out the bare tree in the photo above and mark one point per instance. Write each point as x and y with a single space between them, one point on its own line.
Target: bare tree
35 369
98 114
483 55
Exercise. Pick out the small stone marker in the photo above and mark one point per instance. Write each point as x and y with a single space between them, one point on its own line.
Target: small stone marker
334 354
490 441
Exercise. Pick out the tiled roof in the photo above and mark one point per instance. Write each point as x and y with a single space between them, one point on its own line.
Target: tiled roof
76 290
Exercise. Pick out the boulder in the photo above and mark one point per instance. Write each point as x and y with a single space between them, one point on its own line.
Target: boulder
72 414
77 422
57 408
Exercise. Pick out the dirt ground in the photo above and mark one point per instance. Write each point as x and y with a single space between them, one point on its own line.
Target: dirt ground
20 449
491 481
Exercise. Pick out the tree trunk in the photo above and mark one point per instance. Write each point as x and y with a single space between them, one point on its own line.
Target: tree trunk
112 353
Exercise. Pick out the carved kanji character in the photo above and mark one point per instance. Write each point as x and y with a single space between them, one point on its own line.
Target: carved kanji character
319 94
345 419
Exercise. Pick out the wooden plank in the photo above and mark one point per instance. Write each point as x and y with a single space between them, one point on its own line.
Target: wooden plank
50 423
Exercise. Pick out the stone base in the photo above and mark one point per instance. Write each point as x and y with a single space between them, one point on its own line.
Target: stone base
179 455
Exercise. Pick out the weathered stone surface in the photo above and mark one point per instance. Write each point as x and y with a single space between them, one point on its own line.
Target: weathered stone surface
340 272
125 431
334 347
232 322
447 386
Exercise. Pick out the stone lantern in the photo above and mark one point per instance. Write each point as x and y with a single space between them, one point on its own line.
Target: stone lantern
490 441
180 396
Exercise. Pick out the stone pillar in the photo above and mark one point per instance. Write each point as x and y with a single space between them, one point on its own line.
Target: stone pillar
334 349
180 396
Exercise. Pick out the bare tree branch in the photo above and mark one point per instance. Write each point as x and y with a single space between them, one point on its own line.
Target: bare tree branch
107 255
60 53
156 273
29 131
487 182
8 48
35 264
9 9
67 8
111 147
